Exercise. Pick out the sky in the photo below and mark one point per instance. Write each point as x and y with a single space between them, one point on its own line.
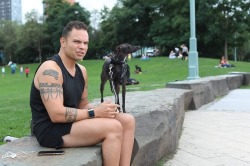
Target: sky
28 5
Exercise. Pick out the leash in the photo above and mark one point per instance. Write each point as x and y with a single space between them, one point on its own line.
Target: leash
124 70
112 81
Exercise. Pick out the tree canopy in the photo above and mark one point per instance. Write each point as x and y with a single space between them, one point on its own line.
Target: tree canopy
221 27
57 14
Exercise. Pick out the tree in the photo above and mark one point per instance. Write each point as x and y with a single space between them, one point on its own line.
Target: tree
31 36
170 27
58 13
139 20
208 32
221 27
127 22
1 44
233 20
1 35
9 30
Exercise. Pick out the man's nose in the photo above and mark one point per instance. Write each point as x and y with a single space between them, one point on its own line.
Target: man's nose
83 46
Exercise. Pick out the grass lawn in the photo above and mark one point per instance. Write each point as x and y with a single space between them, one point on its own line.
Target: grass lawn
14 89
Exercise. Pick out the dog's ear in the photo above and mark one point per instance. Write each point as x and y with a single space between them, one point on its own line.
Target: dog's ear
118 48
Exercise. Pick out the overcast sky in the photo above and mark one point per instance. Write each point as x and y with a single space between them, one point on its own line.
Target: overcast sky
28 5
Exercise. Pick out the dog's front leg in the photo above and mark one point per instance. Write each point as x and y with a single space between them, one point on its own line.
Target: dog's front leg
103 81
117 90
101 90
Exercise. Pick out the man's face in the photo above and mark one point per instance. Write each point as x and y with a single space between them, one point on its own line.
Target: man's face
75 45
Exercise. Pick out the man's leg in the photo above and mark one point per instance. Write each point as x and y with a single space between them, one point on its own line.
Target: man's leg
92 131
128 124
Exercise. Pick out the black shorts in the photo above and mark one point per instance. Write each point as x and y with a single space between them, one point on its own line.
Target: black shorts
184 54
50 134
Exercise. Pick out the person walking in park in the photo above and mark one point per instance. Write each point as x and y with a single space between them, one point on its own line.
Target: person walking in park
21 70
184 52
61 113
13 68
3 71
27 71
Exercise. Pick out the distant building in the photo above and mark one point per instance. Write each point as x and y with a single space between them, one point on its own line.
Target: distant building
11 10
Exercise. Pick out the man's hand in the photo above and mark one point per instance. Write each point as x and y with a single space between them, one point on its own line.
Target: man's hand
106 110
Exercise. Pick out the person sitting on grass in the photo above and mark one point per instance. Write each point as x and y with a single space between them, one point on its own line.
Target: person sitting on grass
172 55
224 62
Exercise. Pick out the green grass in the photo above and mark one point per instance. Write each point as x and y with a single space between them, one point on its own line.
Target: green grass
15 89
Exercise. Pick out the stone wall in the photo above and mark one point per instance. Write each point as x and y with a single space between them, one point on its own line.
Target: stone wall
206 89
159 118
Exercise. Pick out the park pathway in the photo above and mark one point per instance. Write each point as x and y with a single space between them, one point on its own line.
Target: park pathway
217 134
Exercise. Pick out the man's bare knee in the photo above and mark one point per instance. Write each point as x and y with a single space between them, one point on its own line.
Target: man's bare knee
127 121
115 130
130 120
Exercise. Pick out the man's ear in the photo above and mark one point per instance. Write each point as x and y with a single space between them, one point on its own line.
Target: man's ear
62 42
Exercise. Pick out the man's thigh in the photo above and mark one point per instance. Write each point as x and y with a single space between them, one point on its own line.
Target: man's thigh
90 131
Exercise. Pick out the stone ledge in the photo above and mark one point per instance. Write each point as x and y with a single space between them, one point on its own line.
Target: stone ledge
159 117
90 156
246 77
206 89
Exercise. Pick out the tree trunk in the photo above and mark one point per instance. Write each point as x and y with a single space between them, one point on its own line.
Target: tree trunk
225 49
40 54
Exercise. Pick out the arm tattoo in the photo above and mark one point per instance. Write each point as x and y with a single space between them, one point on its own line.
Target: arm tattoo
50 91
52 73
70 114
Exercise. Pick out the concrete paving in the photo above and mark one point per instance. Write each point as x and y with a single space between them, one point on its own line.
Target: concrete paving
217 134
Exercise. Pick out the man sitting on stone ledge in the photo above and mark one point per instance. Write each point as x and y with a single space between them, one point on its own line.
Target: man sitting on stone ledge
61 113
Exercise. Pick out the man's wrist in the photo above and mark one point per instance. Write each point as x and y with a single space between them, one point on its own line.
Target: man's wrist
91 113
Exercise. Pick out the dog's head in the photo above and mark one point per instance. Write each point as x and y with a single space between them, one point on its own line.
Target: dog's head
122 52
126 48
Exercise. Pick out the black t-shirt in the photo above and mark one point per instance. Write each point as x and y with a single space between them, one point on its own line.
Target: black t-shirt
47 133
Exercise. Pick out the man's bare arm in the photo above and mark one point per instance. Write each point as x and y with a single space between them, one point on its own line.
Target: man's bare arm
70 114
50 91
52 73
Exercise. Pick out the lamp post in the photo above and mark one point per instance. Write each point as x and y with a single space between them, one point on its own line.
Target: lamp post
193 54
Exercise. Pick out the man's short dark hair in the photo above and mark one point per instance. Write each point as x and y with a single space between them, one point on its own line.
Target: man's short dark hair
73 24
